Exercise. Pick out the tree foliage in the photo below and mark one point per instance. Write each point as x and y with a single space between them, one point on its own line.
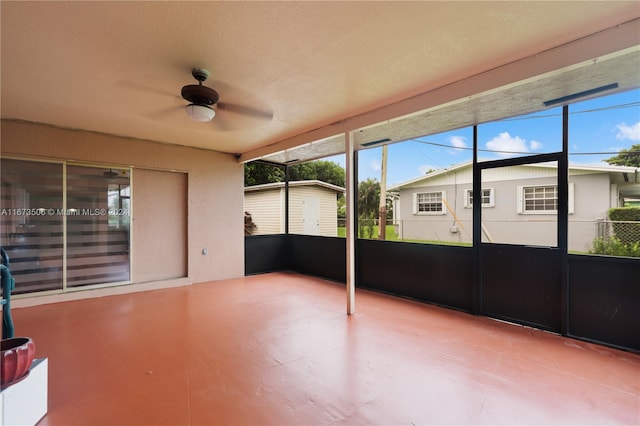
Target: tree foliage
325 171
626 157
257 173
612 246
368 198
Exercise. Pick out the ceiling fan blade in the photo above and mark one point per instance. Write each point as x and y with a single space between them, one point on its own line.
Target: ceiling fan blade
245 110
132 85
162 114
222 124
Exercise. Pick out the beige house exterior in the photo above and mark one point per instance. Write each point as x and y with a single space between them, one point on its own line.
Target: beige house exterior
519 203
312 207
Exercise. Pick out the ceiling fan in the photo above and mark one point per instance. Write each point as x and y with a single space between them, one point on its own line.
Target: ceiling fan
202 98
110 174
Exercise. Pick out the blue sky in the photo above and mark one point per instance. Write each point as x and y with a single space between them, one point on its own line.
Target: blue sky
602 125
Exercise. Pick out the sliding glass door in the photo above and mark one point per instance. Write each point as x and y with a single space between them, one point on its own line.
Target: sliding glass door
32 231
97 225
65 226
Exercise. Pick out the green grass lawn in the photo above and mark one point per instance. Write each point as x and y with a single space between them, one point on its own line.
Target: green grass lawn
391 232
392 236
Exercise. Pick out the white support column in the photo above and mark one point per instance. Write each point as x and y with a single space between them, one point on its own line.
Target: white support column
350 232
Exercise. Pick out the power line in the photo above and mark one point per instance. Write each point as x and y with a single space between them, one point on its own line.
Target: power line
633 152
606 108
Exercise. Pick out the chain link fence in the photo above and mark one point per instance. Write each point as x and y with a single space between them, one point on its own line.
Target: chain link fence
628 232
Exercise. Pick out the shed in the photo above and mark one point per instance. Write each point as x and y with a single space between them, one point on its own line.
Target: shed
313 207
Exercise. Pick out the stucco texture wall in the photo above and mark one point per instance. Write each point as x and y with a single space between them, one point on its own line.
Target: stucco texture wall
214 202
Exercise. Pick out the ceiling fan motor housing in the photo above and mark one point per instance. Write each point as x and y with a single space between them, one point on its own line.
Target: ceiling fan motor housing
200 95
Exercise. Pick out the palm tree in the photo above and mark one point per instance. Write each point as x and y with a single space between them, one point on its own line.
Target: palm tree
368 196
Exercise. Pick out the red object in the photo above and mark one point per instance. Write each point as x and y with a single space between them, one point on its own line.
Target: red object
17 356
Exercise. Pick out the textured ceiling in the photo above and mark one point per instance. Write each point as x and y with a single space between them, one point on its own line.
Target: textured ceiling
117 67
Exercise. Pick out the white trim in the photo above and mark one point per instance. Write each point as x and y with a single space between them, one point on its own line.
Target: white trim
422 180
275 185
571 198
520 199
350 233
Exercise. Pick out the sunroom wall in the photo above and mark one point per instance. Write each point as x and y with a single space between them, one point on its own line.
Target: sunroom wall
214 200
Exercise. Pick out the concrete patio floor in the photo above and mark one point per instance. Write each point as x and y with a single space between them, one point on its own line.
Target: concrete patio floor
279 349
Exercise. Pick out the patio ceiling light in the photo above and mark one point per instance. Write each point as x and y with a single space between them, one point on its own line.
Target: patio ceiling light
200 112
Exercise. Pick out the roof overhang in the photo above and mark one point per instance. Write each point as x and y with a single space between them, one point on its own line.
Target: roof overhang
517 88
296 183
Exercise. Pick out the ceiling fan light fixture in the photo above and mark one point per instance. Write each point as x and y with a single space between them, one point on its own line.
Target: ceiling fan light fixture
200 112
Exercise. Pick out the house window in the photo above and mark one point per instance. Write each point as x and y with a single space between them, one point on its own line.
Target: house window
541 199
485 194
429 203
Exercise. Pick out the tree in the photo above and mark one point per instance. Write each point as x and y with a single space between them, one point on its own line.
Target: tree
382 205
257 173
368 196
325 171
626 157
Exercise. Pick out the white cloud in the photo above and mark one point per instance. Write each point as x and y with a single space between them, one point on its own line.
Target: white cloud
628 132
507 143
375 165
533 145
458 141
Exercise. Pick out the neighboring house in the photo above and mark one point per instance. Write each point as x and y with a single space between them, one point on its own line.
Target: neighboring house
313 207
519 203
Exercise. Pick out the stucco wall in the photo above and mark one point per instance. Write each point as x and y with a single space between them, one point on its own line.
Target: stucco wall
160 220
214 199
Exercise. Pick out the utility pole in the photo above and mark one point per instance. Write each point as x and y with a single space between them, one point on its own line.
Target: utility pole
382 217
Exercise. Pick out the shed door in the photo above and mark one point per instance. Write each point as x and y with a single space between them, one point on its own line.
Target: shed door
311 215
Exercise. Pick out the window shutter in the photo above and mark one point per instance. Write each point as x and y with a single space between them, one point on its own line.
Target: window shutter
520 202
444 197
467 193
571 191
492 199
415 203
